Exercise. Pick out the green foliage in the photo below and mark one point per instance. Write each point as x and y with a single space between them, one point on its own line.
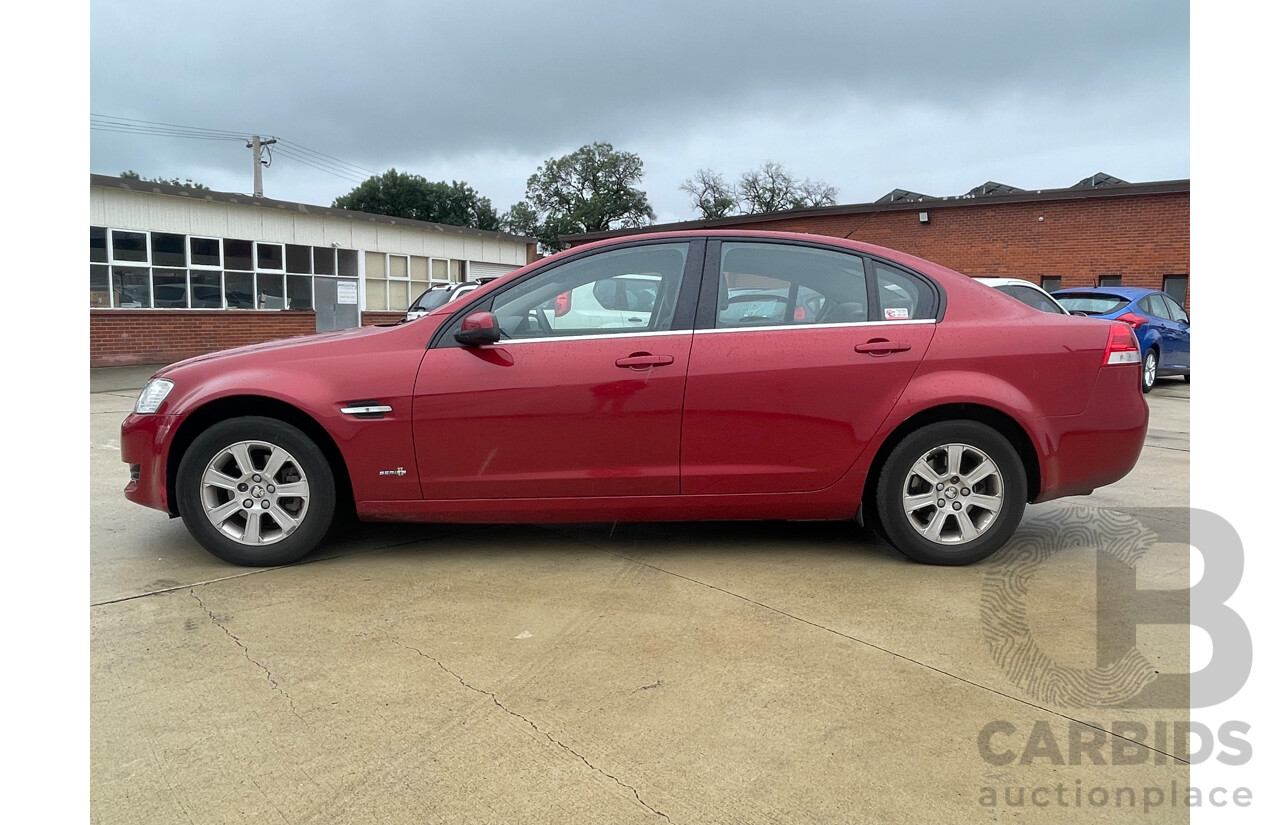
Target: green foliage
188 183
411 196
591 190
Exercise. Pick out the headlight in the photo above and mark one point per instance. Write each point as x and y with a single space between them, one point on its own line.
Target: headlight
153 394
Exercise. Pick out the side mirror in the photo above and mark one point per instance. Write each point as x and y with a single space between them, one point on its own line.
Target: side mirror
479 328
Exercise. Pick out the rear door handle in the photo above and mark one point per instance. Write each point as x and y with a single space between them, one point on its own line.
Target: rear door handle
642 360
882 346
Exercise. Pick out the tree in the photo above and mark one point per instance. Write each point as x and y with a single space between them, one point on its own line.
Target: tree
590 190
190 184
770 188
711 195
404 195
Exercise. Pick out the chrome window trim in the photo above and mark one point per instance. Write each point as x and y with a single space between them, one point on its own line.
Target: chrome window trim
778 327
505 341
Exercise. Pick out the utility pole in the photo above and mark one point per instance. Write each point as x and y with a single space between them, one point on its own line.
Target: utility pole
256 144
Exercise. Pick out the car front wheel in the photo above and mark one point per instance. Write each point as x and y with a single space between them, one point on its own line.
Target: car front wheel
951 493
256 491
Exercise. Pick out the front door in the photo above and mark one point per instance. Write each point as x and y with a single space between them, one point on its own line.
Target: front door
565 405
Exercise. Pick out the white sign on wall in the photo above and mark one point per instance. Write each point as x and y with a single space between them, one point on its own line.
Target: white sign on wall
348 292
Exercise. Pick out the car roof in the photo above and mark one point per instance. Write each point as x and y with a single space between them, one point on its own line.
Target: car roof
1130 292
1007 282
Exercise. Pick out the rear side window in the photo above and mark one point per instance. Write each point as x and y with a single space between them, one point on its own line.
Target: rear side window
1032 298
1154 305
768 284
903 296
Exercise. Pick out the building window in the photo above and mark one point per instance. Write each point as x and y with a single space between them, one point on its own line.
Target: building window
100 284
1050 283
238 254
1175 286
97 244
206 252
1108 280
129 246
168 250
271 256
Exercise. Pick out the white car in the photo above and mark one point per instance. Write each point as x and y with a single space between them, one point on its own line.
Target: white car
1026 292
438 296
621 302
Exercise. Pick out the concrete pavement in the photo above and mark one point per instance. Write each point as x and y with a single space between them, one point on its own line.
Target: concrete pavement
778 672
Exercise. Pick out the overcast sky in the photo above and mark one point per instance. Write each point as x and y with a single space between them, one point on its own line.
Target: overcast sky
936 97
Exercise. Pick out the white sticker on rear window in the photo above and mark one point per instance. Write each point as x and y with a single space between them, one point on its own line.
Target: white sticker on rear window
897 314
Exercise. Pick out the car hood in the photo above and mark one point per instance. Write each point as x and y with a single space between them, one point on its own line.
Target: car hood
284 344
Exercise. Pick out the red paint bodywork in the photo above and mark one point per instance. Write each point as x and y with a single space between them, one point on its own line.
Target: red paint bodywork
698 424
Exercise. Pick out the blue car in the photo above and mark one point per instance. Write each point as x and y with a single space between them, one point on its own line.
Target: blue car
1161 325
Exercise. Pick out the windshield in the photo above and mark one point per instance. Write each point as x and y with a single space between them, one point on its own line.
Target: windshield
1090 303
431 299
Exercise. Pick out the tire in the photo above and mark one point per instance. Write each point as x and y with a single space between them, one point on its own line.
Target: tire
291 507
1150 362
991 504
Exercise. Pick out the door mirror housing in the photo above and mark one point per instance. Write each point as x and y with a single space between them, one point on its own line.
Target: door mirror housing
478 329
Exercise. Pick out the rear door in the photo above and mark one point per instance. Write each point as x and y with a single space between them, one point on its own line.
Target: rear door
786 400
559 408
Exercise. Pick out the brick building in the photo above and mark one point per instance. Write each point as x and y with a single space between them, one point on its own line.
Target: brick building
176 272
1099 232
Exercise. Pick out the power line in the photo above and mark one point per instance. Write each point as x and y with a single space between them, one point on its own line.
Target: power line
328 157
294 151
284 152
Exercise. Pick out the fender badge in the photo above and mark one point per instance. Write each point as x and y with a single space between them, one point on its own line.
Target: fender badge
399 471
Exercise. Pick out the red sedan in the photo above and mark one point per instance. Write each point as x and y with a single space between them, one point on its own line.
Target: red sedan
887 388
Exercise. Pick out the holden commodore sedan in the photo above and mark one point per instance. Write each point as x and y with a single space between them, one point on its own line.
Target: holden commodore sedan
904 394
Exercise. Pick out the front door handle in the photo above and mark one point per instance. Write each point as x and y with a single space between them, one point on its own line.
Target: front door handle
643 360
882 346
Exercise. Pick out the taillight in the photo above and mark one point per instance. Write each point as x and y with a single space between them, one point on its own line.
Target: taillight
1132 319
564 301
1122 346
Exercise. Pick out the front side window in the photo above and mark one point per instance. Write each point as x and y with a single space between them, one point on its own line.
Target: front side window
639 287
769 284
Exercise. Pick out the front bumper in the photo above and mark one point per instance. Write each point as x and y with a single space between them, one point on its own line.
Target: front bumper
144 446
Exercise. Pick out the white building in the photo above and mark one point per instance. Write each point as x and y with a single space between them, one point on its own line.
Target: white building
169 261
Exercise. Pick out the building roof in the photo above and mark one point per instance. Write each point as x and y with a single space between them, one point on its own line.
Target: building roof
1076 192
992 188
150 188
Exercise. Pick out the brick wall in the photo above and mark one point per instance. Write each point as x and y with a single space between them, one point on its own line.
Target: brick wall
122 337
1141 238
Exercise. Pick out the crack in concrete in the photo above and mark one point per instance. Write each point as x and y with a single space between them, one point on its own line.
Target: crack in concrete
245 650
493 697
866 643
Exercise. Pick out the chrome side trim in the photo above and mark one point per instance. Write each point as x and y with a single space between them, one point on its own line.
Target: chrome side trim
505 341
798 327
371 410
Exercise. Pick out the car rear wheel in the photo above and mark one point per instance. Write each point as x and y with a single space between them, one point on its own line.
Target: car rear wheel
1149 364
951 493
256 492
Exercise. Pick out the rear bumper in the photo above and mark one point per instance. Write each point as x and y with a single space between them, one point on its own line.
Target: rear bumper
144 445
1099 446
